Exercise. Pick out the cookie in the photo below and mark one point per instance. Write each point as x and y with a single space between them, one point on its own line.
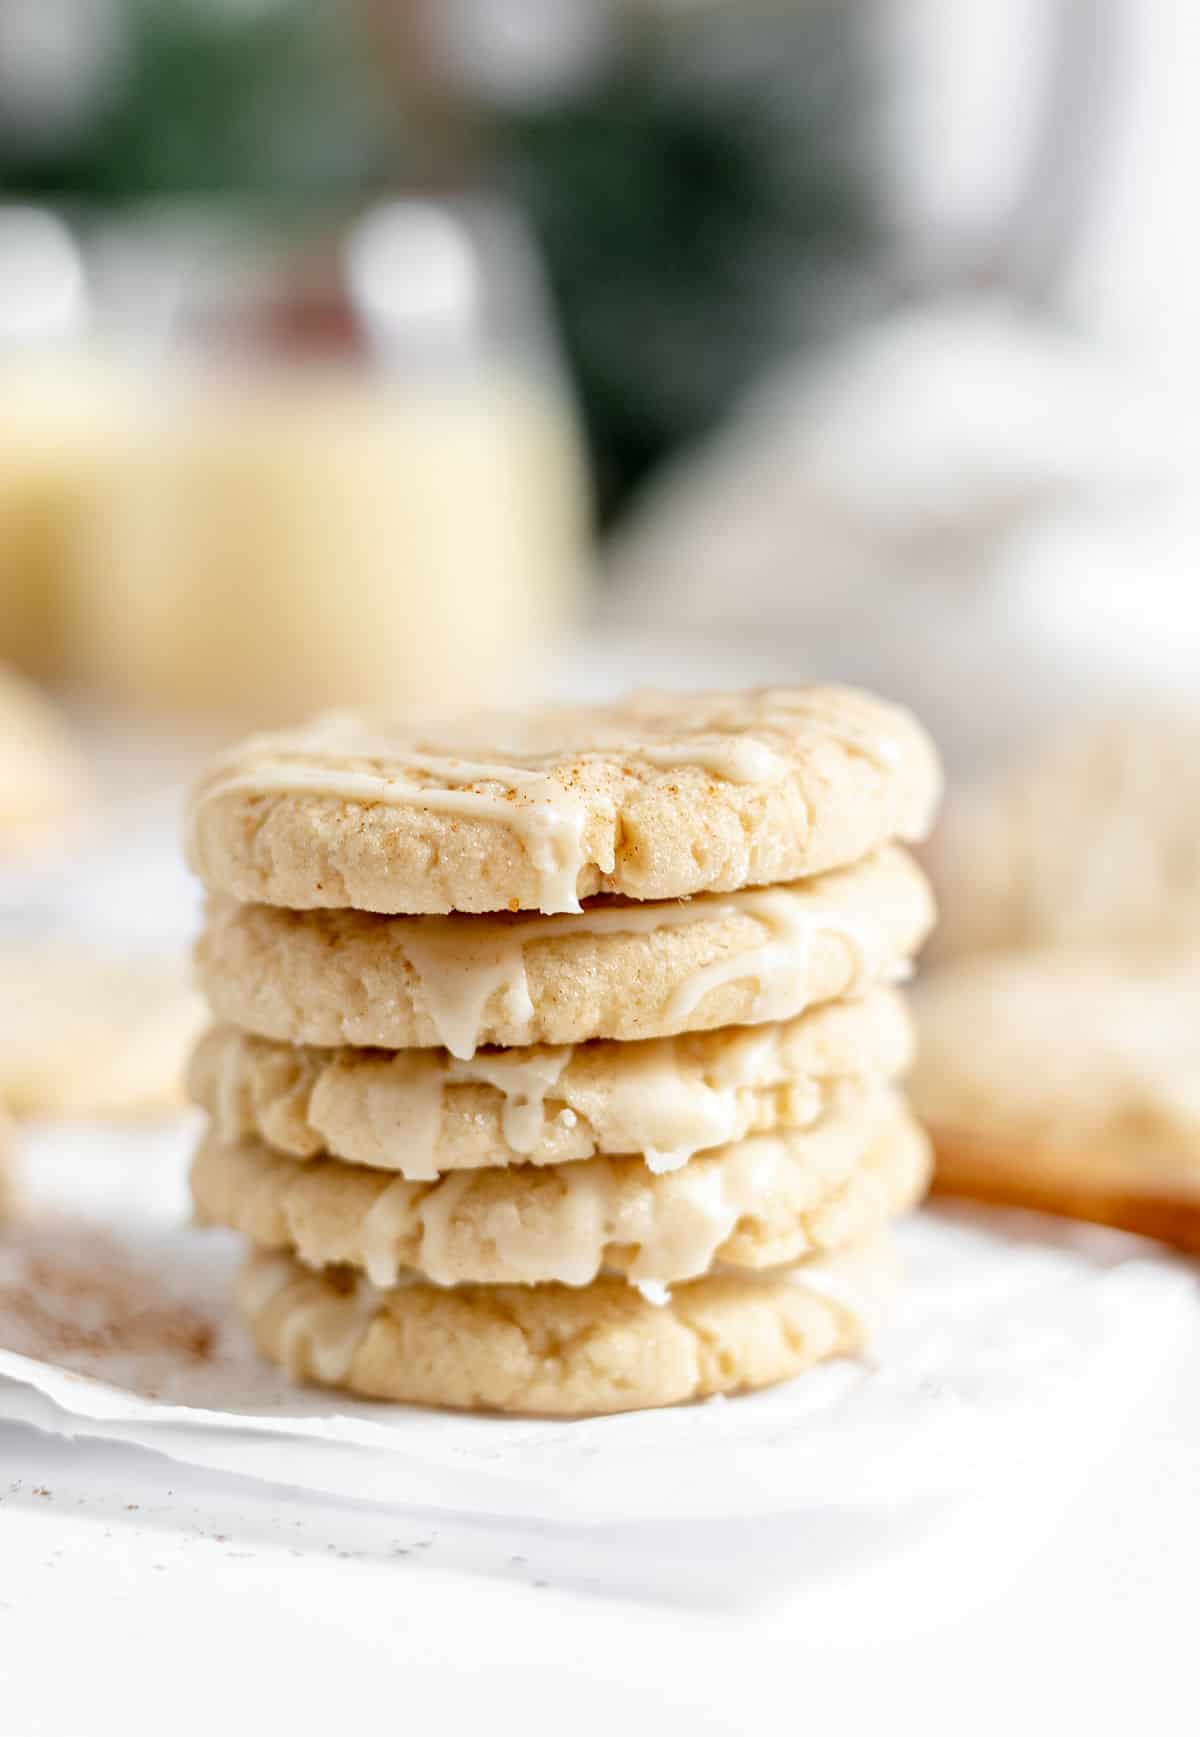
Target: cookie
617 970
1097 1187
88 1034
1093 842
560 1351
1068 1081
657 797
423 1112
760 1202
42 782
7 1142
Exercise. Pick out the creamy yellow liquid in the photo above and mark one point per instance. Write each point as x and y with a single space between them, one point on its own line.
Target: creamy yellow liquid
63 414
276 545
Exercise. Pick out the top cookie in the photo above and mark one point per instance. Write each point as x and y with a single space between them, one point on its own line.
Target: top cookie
656 797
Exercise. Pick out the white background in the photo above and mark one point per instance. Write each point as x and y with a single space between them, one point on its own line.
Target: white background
137 1596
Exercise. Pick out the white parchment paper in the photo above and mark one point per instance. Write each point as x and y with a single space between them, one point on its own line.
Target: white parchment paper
1019 1350
1015 1346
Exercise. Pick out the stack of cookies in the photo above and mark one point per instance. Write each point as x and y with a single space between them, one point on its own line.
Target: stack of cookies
556 1053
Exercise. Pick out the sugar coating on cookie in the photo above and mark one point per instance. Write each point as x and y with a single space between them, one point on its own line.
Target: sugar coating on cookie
616 970
657 797
762 1201
425 1112
558 1351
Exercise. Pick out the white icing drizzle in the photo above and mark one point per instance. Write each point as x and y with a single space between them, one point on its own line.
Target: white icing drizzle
229 1090
653 1291
322 1329
560 1230
549 818
403 1102
737 760
726 739
548 815
751 1056
777 964
788 708
383 1226
437 1216
460 972
524 1078
322 1334
655 1098
461 966
706 1200
665 1113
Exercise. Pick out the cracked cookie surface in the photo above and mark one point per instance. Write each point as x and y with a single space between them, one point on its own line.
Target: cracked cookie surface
618 970
757 1203
424 1112
559 1351
656 797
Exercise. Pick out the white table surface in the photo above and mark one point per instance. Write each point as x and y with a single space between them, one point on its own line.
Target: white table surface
138 1595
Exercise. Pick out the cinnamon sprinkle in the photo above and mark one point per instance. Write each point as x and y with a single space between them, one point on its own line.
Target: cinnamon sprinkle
86 1300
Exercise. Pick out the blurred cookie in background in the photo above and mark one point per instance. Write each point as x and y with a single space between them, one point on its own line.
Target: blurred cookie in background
1068 1081
6 1148
43 786
1095 841
84 1034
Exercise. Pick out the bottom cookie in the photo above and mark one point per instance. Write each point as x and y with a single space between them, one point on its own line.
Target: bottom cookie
555 1349
1126 1193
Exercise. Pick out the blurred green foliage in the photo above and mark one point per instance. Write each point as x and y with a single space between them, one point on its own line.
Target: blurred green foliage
217 98
700 203
703 210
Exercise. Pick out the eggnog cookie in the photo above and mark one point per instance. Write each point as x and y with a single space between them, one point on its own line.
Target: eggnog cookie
1095 1186
657 797
759 1202
423 1112
1093 842
88 1034
556 1350
7 1138
42 783
1068 1081
616 970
